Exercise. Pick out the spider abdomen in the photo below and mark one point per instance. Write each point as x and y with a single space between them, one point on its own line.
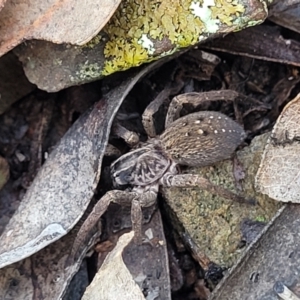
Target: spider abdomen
202 138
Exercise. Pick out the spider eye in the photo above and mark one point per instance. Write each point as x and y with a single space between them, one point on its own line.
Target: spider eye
176 156
117 224
122 177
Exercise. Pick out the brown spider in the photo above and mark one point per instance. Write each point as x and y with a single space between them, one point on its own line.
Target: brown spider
198 139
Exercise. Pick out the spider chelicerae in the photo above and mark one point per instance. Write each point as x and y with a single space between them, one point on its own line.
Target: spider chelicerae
197 139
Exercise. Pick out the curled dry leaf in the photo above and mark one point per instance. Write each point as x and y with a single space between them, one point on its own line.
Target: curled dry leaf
273 257
48 274
44 273
113 278
286 13
278 175
263 42
74 22
65 184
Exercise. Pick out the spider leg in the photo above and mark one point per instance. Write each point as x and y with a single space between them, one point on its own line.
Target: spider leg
151 109
136 220
123 198
130 137
112 151
143 200
83 235
194 180
195 99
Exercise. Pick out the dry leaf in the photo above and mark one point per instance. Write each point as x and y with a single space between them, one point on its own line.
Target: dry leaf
113 278
62 189
273 257
144 261
278 175
74 22
44 273
263 42
49 272
286 13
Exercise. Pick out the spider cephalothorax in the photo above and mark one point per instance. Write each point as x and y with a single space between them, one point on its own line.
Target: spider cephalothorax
141 167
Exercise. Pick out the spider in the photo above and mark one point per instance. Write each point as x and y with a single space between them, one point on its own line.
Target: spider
197 139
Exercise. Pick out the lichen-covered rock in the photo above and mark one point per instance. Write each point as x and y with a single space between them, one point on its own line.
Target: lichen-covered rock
143 29
139 32
214 223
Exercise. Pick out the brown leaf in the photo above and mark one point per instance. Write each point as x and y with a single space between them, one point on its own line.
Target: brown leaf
278 175
134 269
273 257
44 273
74 22
144 261
114 279
286 13
259 42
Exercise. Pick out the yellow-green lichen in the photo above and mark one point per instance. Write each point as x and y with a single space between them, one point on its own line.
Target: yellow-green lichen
204 13
88 71
94 42
57 62
226 13
261 219
138 24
